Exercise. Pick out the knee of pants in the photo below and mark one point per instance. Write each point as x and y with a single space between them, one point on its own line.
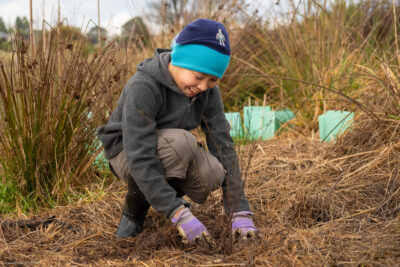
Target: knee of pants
200 193
212 177
176 150
204 176
119 166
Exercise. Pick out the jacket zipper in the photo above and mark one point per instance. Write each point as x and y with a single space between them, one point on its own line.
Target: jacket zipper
189 103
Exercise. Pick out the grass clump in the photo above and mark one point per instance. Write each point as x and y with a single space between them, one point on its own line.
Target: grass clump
51 106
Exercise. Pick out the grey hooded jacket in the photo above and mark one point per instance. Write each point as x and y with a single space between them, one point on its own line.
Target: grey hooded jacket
151 100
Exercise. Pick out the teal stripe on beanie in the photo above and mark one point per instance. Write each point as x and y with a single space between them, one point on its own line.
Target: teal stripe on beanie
200 58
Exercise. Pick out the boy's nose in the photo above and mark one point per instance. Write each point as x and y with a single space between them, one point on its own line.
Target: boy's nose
202 86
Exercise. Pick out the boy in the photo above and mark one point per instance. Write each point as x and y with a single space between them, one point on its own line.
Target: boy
148 143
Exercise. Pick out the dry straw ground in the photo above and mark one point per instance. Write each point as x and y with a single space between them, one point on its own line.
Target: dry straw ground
316 205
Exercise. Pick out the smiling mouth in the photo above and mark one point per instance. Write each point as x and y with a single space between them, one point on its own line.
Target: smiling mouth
192 92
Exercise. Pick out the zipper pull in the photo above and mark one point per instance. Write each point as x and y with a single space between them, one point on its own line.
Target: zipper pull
191 102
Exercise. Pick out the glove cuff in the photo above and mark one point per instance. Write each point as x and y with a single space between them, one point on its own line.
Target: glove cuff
175 210
243 223
245 213
184 217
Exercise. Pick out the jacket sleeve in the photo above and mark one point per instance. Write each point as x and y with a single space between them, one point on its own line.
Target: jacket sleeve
220 144
140 142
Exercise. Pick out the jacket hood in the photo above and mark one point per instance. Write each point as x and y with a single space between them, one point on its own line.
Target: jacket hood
157 68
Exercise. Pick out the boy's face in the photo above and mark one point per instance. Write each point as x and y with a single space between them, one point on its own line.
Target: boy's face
192 82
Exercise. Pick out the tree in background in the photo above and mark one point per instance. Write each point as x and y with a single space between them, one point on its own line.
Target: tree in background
172 15
70 33
177 13
5 43
22 26
135 31
2 26
92 34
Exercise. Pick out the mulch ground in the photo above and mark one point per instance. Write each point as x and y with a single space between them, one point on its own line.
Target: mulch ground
315 204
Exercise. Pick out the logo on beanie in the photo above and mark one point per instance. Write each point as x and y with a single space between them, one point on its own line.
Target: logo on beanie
221 37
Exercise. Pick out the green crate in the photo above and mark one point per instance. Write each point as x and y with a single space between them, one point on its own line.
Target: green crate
248 115
282 116
235 123
261 125
334 123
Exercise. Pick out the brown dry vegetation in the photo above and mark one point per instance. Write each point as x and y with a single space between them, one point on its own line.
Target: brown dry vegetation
316 204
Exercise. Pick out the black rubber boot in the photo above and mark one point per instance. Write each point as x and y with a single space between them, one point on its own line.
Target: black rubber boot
134 212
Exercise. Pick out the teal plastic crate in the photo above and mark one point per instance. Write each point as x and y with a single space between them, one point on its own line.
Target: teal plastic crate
100 160
334 123
282 116
236 124
248 114
261 125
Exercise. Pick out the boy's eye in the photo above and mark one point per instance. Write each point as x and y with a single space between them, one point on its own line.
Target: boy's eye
199 77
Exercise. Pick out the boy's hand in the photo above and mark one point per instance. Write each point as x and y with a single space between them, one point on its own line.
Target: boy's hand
243 226
190 228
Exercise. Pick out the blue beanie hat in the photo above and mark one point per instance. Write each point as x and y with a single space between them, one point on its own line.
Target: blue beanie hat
202 46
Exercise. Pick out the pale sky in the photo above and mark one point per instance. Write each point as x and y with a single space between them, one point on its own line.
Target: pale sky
113 13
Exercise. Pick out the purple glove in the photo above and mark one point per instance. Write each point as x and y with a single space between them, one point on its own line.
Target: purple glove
243 226
190 228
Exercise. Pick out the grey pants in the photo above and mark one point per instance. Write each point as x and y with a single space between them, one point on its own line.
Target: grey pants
187 166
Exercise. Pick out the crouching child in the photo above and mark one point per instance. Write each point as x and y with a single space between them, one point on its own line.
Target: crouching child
149 146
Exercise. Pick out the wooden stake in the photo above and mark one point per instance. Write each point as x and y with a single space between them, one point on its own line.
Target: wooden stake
31 30
163 20
264 102
395 32
59 40
98 24
281 90
44 39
